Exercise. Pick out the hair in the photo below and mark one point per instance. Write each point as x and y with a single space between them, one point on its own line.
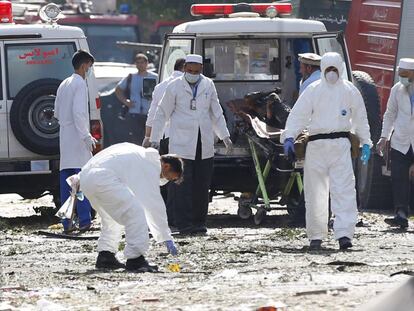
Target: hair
140 56
176 163
179 64
81 57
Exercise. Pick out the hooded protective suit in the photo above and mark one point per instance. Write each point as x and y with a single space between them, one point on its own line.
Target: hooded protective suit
122 182
325 108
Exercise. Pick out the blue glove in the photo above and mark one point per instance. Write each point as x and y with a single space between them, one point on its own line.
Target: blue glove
366 154
289 148
172 249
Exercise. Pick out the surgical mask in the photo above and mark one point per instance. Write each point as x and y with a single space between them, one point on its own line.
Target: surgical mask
332 77
191 78
88 73
404 81
163 181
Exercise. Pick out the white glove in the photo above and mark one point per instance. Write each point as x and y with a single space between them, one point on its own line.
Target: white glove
381 144
146 142
90 142
229 144
155 145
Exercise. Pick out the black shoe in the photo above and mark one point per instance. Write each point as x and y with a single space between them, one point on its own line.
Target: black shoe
315 245
344 243
107 260
186 230
199 229
397 221
140 265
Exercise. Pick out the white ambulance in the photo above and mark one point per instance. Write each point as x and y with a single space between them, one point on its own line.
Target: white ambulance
251 48
34 60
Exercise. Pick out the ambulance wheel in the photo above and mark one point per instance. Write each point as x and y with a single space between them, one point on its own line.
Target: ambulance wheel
364 173
259 216
31 117
244 211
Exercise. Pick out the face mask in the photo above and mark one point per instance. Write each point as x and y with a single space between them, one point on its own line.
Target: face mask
163 181
88 72
332 77
404 81
191 78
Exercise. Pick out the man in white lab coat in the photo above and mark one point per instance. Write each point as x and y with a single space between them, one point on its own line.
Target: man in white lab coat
329 109
156 99
398 125
123 184
192 106
76 142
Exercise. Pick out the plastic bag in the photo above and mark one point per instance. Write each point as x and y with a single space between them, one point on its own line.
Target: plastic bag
66 211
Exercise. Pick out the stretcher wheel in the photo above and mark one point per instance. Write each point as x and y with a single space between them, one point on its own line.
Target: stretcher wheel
244 211
259 216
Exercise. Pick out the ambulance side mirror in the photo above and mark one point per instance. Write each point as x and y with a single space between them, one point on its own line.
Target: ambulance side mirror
274 66
208 68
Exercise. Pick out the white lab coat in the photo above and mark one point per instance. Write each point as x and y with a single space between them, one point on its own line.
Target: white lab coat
72 111
185 123
323 108
123 184
399 117
156 99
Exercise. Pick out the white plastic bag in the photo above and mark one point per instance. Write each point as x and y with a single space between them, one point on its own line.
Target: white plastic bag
66 211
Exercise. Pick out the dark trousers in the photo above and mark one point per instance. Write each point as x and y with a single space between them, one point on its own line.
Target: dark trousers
164 189
400 166
136 128
190 199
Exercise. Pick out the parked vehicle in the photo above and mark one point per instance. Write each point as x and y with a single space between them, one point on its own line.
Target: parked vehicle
245 51
34 60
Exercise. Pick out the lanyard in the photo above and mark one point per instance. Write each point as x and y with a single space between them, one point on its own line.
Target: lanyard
194 90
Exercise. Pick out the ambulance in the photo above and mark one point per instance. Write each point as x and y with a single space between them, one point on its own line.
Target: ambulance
251 48
34 59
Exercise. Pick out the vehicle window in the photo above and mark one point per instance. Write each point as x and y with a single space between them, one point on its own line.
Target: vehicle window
30 62
331 44
250 59
107 36
173 50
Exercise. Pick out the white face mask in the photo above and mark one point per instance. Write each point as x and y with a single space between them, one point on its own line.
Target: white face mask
163 181
88 72
404 81
191 78
332 77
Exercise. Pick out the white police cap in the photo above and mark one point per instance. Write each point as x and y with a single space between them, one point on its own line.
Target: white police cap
194 58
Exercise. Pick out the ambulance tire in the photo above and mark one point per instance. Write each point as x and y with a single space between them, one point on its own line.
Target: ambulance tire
366 190
31 117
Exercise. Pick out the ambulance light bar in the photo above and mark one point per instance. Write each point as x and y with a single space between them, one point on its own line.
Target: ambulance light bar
227 9
6 14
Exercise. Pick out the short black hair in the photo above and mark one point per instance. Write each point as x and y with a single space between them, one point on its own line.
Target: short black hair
176 163
179 64
81 57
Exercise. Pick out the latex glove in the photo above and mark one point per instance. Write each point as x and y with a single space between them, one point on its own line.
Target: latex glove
366 154
381 146
146 142
229 144
90 142
289 148
172 249
155 145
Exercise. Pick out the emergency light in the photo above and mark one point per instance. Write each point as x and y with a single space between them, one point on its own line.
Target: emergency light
227 9
6 12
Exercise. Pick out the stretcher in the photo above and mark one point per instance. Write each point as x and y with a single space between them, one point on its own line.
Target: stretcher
279 181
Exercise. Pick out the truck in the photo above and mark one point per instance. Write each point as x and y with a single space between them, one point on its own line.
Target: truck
378 35
250 48
35 58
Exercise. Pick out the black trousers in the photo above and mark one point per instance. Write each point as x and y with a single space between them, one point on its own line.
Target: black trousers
190 199
136 128
400 166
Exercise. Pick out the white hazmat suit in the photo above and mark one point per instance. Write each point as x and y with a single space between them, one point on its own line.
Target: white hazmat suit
325 108
122 182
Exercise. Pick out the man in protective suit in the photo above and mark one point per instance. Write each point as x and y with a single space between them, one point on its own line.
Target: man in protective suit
123 184
329 109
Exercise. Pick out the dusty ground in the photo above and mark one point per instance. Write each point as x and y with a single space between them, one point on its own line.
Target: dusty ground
237 266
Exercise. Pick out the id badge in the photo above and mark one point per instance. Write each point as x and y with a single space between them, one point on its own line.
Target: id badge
193 104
